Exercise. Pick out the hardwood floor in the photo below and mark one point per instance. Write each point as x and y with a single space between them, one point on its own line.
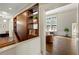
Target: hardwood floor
49 48
60 46
4 41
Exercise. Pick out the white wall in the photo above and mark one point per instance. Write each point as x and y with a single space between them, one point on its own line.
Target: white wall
4 26
28 47
11 28
65 19
78 27
11 51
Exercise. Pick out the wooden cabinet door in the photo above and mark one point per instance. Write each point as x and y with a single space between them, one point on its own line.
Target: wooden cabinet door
22 26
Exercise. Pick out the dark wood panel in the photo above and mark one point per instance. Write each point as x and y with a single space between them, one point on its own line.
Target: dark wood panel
22 26
49 38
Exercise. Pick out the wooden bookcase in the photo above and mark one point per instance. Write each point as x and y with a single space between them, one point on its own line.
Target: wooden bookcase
33 23
26 24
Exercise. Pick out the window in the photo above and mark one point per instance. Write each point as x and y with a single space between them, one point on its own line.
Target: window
51 23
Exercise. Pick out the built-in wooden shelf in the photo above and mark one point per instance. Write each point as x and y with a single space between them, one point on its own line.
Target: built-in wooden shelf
26 24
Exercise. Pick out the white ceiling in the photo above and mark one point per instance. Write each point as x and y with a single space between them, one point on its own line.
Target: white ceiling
62 9
50 6
16 7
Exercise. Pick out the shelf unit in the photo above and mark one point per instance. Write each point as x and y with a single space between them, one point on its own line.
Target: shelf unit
33 22
26 24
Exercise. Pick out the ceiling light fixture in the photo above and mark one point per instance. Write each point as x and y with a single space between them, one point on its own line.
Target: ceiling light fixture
10 8
3 12
5 20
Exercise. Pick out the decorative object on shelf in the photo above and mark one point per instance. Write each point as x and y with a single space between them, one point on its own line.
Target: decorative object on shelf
35 24
66 30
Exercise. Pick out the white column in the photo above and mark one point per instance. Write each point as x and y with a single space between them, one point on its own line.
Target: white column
42 28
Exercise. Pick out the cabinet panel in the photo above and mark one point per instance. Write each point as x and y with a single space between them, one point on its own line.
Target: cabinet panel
22 26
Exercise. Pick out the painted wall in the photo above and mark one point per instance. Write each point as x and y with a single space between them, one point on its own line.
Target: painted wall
78 28
11 51
4 26
28 47
65 19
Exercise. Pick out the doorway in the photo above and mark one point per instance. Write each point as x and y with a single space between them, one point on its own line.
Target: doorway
59 30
